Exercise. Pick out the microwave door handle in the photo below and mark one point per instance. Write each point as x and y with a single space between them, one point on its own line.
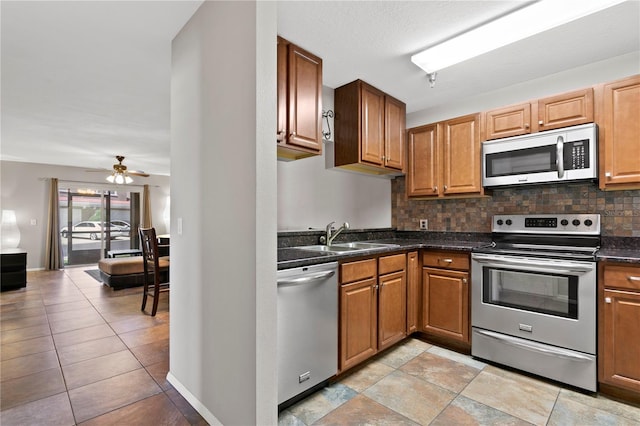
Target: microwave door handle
560 156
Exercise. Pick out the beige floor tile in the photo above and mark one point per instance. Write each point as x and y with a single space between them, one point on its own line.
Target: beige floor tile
400 354
322 402
100 368
366 376
440 371
464 411
523 397
414 398
152 353
107 395
26 333
81 335
363 411
28 364
155 410
26 347
31 388
51 411
569 412
88 350
145 336
603 403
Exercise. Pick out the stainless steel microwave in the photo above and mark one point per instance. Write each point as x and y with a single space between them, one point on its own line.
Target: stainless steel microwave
561 155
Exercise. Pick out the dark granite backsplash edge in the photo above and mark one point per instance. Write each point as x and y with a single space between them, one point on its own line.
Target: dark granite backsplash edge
620 243
306 238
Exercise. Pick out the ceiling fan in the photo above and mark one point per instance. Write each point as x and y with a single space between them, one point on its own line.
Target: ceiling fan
120 174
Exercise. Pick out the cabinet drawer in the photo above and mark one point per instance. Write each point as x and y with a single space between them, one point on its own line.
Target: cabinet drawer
395 263
356 271
446 259
622 276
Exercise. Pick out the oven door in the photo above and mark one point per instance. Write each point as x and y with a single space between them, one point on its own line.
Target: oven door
545 300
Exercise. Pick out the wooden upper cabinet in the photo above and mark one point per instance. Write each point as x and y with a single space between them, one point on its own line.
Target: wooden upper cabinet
369 129
445 159
299 112
424 163
372 116
461 155
395 129
618 112
514 120
567 109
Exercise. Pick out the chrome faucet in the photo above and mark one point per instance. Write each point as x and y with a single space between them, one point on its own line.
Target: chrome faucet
331 236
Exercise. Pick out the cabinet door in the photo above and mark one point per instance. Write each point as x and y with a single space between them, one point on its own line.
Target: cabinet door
620 134
422 170
372 122
509 121
413 292
462 159
445 309
620 359
394 128
358 322
392 309
305 99
567 109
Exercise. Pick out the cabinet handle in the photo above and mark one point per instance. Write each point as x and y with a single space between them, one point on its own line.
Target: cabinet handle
607 174
607 300
464 280
632 278
541 123
445 187
526 125
280 136
447 260
292 135
435 189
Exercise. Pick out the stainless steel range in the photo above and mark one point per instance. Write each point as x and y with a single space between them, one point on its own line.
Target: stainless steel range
534 296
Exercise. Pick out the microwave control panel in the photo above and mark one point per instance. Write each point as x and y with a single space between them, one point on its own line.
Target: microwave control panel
576 155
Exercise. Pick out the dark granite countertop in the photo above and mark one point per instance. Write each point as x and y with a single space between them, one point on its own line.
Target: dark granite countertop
619 255
293 257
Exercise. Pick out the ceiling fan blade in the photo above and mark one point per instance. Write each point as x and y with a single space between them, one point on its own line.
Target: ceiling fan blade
137 173
99 171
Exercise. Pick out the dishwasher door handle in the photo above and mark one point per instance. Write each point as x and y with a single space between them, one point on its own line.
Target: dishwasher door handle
306 279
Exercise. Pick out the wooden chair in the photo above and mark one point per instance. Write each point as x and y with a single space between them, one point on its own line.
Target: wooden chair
155 269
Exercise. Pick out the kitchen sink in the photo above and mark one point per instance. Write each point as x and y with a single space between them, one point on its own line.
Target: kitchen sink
347 247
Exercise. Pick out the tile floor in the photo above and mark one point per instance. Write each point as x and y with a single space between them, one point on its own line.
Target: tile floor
75 352
416 383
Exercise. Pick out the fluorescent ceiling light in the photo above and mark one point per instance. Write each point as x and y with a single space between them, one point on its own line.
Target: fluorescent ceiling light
536 18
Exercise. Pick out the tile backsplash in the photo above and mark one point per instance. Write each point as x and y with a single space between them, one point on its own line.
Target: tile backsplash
619 210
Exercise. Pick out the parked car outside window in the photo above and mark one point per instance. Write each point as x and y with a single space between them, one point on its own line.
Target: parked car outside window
93 230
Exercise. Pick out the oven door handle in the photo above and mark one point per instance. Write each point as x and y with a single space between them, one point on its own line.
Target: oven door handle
535 347
531 265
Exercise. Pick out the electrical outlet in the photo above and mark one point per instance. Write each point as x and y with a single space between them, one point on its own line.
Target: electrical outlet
424 224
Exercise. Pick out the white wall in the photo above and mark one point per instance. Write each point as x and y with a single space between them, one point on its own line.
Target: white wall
311 193
25 189
223 169
576 78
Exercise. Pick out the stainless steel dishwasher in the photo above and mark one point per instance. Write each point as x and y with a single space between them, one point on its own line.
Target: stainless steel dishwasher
307 328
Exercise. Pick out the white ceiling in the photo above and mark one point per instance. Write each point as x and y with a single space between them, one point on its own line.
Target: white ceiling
83 81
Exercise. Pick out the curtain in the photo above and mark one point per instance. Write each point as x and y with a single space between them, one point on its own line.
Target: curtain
146 208
53 246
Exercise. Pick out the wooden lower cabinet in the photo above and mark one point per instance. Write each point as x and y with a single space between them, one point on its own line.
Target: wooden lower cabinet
358 322
619 320
413 292
445 296
373 307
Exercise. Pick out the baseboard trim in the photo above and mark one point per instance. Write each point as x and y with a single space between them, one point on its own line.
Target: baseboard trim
191 399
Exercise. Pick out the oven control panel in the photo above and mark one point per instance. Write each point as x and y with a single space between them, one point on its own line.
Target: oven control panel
579 224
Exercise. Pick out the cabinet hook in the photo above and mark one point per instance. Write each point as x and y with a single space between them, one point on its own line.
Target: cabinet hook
326 115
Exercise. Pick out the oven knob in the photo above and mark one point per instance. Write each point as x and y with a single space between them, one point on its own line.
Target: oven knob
509 222
575 222
588 222
499 222
564 222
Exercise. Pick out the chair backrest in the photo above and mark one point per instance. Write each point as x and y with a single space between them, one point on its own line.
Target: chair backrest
149 244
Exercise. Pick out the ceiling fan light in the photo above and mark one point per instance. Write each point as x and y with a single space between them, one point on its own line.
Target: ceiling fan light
127 179
534 19
111 178
119 179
